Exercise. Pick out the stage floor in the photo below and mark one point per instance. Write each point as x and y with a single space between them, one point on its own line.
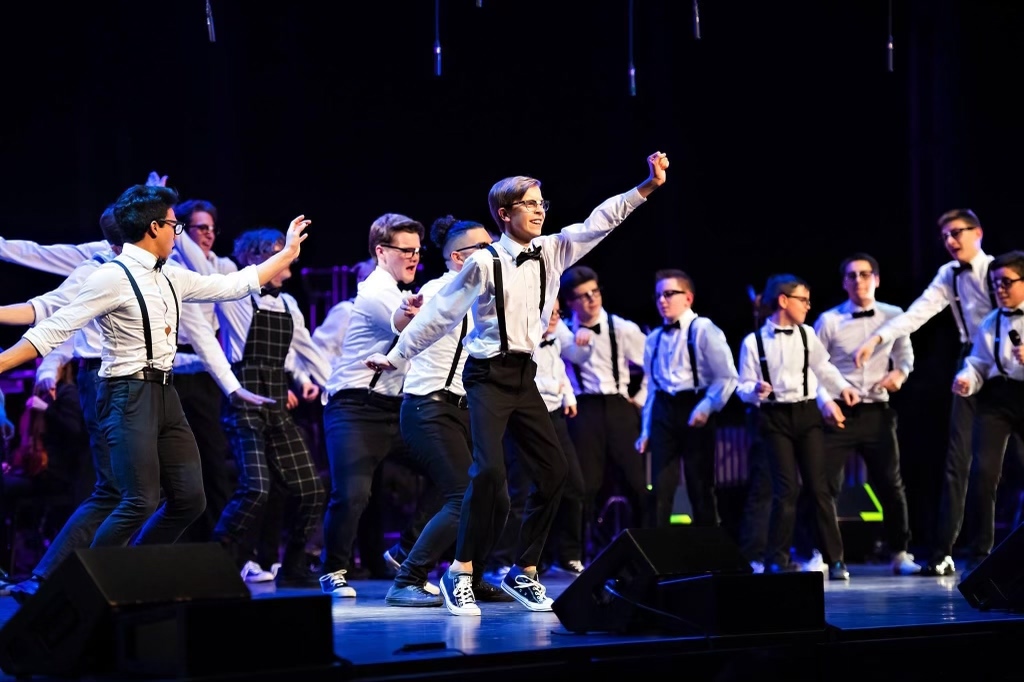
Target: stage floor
375 641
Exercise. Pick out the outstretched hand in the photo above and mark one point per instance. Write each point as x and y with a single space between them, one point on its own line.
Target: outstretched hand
156 180
295 235
658 163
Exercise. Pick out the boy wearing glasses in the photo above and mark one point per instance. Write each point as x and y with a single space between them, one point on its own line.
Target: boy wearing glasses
870 426
961 284
994 372
361 416
510 288
600 349
138 305
689 363
781 366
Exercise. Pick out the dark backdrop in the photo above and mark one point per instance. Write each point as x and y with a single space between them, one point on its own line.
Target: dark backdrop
791 143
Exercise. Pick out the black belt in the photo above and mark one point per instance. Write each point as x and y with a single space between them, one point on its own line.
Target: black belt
89 364
684 393
368 397
186 348
156 376
446 396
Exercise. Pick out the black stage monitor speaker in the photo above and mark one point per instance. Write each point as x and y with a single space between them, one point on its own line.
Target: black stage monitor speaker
687 580
998 581
124 609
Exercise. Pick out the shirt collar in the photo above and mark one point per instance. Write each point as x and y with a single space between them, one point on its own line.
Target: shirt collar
512 247
138 255
378 278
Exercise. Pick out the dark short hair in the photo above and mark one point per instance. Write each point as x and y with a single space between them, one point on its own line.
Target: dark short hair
860 255
674 273
137 208
776 286
450 227
255 243
572 278
185 209
108 225
1014 260
964 214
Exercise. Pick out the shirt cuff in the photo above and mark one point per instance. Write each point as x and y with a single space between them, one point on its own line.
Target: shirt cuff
400 363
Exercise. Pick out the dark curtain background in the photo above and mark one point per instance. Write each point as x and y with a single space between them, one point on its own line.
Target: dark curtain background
791 143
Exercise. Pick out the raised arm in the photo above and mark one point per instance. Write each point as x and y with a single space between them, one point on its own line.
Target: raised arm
58 259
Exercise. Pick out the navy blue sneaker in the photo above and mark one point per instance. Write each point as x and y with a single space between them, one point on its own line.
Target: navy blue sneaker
457 590
526 590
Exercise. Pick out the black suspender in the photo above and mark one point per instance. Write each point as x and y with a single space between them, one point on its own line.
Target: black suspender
615 352
959 307
146 332
499 296
499 301
764 359
377 373
458 353
995 342
691 345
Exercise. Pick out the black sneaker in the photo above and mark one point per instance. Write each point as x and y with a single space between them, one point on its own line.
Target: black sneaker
944 566
526 590
487 592
837 571
411 595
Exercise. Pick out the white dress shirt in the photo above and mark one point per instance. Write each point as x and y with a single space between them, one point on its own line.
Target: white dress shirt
975 299
842 334
980 365
552 378
473 288
672 372
785 358
107 294
88 341
369 331
58 259
330 333
594 360
428 371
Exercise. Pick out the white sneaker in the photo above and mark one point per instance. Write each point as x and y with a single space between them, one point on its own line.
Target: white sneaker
816 563
757 566
275 567
336 585
431 588
252 572
903 564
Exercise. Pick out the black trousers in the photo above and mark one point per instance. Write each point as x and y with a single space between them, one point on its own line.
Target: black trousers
438 435
202 400
502 394
999 416
757 510
956 475
870 430
606 428
794 441
671 442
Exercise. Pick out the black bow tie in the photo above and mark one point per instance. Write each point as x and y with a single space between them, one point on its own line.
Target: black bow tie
596 328
525 255
862 313
672 326
957 269
546 342
270 291
780 330
160 262
1012 313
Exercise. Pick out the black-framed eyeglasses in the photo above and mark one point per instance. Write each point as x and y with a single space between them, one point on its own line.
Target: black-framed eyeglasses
532 205
956 232
179 226
481 245
205 228
667 294
589 295
1005 283
863 274
407 251
806 300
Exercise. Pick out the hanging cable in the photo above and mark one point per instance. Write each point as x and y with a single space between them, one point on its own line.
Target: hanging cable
437 37
889 46
632 68
209 23
696 20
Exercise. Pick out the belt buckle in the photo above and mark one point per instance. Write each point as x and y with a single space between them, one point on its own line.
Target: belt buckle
462 403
